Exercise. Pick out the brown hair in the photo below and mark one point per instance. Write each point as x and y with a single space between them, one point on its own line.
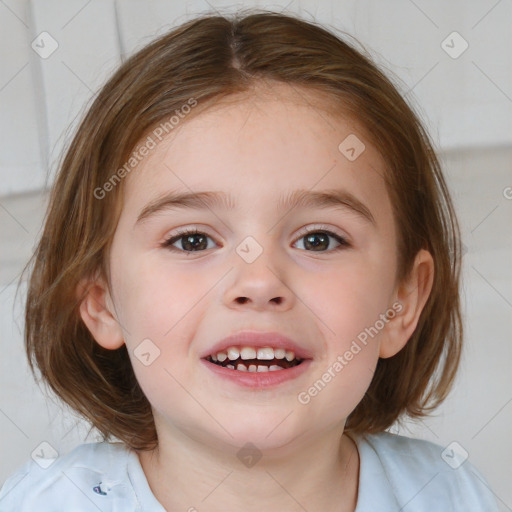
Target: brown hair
209 58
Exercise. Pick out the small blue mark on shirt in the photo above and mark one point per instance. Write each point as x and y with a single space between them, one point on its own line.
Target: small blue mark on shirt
98 489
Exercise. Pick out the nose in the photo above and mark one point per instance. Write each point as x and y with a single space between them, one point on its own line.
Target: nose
260 285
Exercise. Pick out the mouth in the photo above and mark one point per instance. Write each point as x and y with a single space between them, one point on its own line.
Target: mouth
255 359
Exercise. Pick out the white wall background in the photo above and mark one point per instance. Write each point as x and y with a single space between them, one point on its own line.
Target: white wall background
465 101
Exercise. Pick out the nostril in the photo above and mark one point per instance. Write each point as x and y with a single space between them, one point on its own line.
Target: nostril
244 300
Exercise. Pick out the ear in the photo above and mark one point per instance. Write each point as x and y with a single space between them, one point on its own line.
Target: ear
97 312
411 294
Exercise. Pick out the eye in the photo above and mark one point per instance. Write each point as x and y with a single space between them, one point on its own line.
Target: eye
319 240
193 240
190 240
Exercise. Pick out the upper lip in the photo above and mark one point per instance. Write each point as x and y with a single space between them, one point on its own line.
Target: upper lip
258 339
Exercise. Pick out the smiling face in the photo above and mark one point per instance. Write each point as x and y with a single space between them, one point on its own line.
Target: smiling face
298 240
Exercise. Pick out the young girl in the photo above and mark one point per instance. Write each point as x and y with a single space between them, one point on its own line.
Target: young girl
249 271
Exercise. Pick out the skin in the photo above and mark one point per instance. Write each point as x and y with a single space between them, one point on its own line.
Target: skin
258 148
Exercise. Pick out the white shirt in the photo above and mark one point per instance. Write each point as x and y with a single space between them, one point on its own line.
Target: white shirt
396 474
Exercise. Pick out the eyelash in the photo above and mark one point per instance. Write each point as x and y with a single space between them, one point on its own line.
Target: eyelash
343 243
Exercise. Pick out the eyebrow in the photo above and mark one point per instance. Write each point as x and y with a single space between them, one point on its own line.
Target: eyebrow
208 200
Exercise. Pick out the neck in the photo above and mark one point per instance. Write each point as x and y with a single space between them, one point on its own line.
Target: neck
185 474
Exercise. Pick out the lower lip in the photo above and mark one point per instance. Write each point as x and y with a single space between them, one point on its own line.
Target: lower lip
258 379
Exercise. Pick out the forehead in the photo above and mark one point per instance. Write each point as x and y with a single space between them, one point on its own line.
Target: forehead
261 143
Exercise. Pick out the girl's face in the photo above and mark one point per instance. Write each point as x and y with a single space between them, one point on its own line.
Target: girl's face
320 273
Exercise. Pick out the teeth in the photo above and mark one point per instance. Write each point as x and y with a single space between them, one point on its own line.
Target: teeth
265 354
279 353
248 353
290 355
245 353
254 368
233 353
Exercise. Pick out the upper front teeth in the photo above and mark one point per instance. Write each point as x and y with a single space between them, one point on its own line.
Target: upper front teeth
248 353
264 354
233 353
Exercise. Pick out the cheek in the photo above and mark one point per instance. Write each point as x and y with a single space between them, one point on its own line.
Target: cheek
349 304
154 301
338 387
155 309
340 381
159 327
348 300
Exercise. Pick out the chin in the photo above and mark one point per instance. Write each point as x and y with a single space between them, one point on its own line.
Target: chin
277 432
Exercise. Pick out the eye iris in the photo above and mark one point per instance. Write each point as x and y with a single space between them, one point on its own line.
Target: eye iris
188 243
310 240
